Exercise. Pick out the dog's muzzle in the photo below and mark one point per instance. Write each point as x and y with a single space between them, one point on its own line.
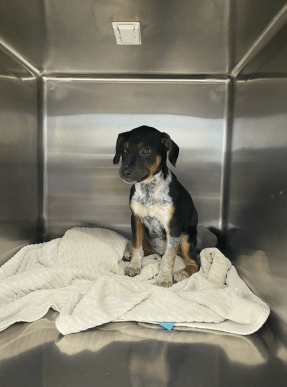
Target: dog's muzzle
131 176
127 175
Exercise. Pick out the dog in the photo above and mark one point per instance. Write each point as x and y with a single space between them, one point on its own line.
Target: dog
164 218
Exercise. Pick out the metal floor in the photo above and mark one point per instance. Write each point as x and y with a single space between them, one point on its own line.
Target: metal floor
128 354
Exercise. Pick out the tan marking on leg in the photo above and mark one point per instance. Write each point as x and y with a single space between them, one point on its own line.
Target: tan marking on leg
139 233
134 267
183 251
191 269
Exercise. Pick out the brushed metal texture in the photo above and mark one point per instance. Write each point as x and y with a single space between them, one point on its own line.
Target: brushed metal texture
185 37
271 61
18 159
255 24
128 354
23 28
82 120
257 216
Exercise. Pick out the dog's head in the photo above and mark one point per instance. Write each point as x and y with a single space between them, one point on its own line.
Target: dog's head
144 151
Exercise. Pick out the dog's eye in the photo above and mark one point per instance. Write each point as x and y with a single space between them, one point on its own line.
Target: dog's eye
124 150
145 151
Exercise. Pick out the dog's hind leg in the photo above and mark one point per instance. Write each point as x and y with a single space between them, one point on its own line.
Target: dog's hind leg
188 252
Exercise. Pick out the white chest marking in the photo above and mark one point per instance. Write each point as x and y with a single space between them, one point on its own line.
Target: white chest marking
153 199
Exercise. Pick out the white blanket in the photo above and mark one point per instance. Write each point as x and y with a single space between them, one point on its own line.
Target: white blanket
81 276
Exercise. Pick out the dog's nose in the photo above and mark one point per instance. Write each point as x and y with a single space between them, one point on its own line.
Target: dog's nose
126 172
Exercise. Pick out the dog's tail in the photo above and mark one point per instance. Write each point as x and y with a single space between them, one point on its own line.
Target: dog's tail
221 238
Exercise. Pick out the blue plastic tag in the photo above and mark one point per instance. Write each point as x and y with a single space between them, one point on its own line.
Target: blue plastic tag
167 325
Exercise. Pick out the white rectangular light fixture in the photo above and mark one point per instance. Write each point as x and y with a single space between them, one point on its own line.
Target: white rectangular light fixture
127 32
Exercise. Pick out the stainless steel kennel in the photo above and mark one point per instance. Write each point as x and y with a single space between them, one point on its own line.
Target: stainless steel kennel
212 74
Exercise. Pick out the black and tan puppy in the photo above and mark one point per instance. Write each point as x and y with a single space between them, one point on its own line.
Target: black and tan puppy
164 218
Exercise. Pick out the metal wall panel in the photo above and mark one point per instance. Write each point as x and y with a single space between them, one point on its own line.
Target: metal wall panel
23 27
271 61
18 158
258 201
68 36
9 66
178 37
248 20
82 120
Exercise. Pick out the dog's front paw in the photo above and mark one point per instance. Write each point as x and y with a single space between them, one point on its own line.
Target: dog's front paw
180 275
164 281
132 271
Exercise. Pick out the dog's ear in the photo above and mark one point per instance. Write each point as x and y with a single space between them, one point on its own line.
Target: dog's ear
171 147
120 141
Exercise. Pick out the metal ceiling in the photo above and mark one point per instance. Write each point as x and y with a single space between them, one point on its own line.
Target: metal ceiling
184 37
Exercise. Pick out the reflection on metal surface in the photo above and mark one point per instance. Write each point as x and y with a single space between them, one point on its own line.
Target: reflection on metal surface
20 338
23 30
248 21
273 27
258 189
271 60
188 37
18 62
95 340
82 123
9 68
178 37
18 160
132 355
274 286
197 39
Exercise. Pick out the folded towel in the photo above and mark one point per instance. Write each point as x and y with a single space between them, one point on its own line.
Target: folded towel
82 276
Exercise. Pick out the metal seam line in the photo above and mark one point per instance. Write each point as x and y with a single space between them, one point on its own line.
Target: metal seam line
273 27
19 58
